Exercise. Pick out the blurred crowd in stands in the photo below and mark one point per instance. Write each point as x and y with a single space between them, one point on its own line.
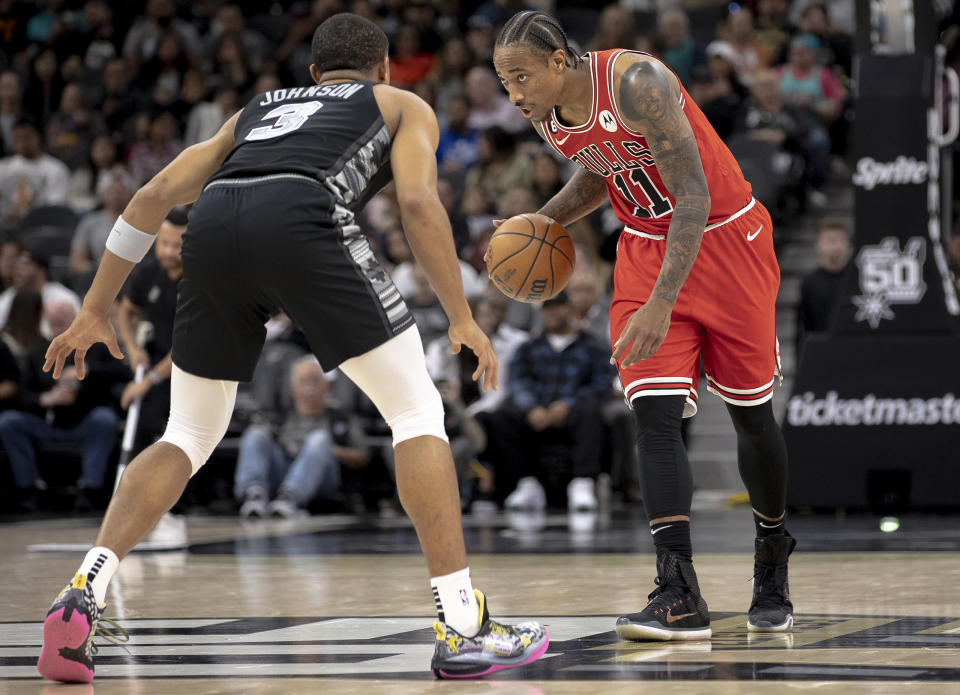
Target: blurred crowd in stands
96 97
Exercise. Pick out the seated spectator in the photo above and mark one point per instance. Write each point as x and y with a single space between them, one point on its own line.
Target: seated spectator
64 411
614 29
230 66
32 273
408 62
489 105
676 47
101 38
721 95
546 181
502 167
550 433
821 289
737 30
72 128
815 91
90 237
423 303
591 312
159 16
836 48
229 19
29 178
88 181
450 70
458 222
9 252
159 148
10 107
466 436
120 98
773 30
21 331
458 149
162 75
303 459
206 117
41 93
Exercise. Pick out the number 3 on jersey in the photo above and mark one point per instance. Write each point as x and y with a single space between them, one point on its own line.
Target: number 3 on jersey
659 205
288 117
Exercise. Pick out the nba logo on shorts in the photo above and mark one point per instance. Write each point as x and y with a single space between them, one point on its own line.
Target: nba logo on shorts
464 599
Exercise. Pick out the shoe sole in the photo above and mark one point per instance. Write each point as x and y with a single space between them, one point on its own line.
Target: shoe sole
782 627
537 653
651 633
57 634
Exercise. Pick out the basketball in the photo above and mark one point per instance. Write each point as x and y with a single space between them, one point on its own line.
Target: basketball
530 258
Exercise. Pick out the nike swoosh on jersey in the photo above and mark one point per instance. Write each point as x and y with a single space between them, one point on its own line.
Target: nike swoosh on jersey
751 237
559 141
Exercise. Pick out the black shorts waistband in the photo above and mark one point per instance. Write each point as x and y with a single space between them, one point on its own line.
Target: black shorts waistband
265 178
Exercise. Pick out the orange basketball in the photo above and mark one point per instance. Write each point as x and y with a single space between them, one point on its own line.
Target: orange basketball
530 258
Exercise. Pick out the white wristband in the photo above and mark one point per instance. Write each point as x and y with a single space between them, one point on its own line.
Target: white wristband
128 242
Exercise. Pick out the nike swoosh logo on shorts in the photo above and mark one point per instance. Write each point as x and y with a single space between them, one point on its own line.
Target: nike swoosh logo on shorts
653 531
751 237
674 618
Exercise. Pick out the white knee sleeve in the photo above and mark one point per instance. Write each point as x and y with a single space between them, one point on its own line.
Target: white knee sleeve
394 376
200 411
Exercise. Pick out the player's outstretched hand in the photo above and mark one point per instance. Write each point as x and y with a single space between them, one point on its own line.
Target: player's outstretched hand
645 331
87 328
473 337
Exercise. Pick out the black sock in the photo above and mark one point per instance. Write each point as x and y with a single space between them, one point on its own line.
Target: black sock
673 536
768 528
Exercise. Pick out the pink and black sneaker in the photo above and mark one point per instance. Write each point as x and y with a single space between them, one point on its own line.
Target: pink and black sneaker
495 648
68 631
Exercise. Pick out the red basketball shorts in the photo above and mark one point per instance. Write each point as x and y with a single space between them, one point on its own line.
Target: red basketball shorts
725 313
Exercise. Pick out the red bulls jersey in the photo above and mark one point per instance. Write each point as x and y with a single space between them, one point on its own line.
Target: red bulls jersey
606 146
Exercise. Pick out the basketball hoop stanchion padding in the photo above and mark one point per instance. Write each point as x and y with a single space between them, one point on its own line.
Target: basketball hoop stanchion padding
874 418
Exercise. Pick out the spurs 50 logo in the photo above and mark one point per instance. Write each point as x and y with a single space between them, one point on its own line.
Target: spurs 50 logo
889 276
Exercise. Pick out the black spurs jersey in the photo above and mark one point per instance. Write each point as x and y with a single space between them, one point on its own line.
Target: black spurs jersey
331 133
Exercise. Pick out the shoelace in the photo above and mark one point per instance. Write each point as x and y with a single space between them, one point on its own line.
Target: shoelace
111 631
764 589
662 586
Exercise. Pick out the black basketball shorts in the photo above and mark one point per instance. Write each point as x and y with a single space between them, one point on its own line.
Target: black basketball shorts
256 246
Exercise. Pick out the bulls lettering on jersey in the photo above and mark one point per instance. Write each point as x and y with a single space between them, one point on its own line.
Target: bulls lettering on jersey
605 146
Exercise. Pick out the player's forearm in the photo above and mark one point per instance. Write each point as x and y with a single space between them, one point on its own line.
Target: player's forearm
428 232
111 275
582 194
683 244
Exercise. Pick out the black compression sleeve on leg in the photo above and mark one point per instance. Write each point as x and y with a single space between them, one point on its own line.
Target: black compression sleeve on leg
762 457
665 477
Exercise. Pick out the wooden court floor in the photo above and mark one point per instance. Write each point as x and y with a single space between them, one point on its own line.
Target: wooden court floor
337 605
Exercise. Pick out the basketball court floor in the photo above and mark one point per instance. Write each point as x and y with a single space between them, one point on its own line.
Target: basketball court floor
342 605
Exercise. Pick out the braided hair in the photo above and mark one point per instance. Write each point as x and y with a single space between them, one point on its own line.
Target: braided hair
539 30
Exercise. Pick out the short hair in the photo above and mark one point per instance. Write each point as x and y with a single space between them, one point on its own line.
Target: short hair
178 216
347 41
539 30
303 360
825 223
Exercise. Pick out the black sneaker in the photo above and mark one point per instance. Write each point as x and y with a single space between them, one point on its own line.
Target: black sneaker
676 610
771 609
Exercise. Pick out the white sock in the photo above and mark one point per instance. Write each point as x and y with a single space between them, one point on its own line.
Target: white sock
98 567
456 604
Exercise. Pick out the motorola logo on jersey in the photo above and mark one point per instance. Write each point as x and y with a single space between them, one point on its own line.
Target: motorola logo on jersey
889 276
902 171
608 122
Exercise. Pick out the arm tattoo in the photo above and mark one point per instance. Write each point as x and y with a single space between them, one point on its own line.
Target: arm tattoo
580 196
646 99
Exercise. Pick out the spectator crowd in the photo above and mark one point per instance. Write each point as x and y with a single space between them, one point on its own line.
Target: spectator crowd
96 97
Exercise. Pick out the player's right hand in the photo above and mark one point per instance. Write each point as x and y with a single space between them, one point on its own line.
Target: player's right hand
87 328
471 335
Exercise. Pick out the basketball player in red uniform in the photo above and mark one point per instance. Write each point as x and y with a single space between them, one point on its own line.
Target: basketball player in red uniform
695 276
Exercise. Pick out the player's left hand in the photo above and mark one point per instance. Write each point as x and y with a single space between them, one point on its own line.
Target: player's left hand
471 335
87 328
645 331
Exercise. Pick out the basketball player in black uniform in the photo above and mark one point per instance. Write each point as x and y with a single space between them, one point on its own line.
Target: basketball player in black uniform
273 227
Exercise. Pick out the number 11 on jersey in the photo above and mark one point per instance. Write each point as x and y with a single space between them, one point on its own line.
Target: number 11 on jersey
658 206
